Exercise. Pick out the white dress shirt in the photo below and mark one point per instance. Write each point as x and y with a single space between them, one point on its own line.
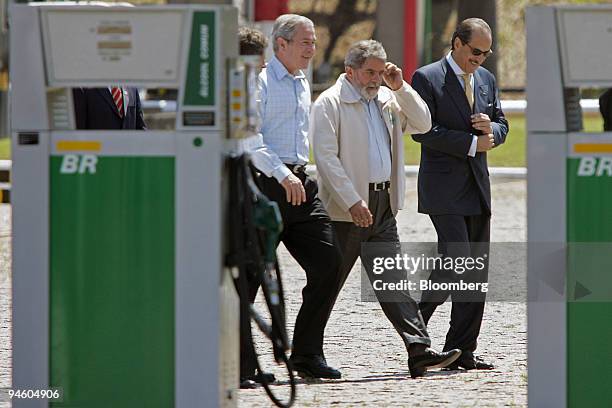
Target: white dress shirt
379 143
459 72
284 105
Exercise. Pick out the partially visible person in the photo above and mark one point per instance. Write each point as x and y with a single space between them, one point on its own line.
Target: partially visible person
453 184
252 43
281 156
357 130
113 108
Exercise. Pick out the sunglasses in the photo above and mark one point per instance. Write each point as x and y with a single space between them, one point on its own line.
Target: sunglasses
476 52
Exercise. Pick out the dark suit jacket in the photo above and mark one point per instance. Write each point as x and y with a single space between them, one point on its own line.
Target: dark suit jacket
451 182
95 109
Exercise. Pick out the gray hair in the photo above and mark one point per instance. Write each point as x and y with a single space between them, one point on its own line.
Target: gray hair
286 25
361 51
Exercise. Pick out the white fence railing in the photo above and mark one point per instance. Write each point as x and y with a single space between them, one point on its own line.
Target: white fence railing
508 106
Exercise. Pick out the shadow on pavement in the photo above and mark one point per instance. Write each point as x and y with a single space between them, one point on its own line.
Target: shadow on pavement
401 376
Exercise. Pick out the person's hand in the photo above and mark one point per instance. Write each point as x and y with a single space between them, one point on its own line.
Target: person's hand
393 76
294 189
482 122
362 217
485 143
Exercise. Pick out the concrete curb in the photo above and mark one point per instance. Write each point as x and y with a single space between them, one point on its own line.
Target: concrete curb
5 178
496 172
5 165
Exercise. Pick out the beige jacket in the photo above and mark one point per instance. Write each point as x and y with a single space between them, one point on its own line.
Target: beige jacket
339 136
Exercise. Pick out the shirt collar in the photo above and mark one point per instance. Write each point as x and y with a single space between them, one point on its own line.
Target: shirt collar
356 92
349 92
280 71
456 68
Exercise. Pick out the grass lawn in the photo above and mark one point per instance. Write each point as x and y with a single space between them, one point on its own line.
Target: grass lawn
5 148
511 153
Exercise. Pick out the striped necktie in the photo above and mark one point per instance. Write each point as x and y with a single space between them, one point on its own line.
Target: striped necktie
469 92
118 98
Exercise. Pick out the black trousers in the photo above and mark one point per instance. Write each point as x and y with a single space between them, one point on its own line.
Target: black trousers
460 236
309 237
248 364
403 312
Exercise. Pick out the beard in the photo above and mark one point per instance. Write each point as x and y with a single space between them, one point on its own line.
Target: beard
369 91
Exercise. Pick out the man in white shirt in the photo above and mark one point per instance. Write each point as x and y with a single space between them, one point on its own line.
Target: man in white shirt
281 156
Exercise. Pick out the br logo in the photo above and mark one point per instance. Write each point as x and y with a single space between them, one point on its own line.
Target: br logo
73 163
593 166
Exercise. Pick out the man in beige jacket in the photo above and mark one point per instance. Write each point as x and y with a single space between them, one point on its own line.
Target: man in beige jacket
357 128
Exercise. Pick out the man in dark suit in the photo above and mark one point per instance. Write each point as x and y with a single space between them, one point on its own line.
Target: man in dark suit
453 185
107 108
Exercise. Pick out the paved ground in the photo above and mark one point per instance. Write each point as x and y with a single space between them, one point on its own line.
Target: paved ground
5 298
361 342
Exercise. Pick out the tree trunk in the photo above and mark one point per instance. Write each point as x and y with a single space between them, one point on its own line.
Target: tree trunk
487 11
443 23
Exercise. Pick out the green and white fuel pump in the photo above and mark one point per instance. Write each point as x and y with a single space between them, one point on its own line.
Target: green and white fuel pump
569 209
120 297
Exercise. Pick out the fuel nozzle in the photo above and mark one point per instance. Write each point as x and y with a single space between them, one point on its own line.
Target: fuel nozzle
267 218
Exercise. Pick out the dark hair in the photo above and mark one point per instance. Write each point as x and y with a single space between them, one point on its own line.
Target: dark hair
252 41
465 29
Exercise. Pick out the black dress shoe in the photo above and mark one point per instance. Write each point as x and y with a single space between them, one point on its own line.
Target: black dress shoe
262 377
431 359
469 361
313 366
246 384
251 381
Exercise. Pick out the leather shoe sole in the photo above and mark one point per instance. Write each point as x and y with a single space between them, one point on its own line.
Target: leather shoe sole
419 364
263 378
314 369
327 374
246 384
476 364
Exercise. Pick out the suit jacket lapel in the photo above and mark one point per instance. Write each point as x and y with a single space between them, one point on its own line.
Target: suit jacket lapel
455 90
387 114
126 98
106 95
481 92
478 94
